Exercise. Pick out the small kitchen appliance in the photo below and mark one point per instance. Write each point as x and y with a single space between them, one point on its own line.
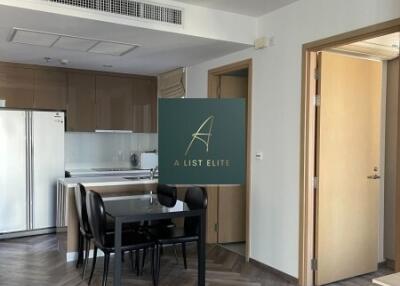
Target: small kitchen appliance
145 160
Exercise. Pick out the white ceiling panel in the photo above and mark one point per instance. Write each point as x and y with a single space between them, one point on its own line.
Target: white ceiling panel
32 38
74 44
113 49
158 51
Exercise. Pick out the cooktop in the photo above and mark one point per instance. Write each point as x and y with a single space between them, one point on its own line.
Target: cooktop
114 169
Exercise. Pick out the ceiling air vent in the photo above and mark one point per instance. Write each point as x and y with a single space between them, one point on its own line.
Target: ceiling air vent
129 8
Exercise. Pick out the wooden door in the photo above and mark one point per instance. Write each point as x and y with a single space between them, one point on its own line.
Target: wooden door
17 86
81 110
144 111
50 89
212 214
348 151
113 103
232 199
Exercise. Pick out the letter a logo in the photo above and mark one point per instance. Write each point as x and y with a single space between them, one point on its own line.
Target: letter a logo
202 136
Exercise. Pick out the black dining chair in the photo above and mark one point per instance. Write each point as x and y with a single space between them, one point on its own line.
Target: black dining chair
131 241
84 235
195 198
166 196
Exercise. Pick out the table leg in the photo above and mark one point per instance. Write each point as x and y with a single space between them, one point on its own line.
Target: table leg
117 257
202 251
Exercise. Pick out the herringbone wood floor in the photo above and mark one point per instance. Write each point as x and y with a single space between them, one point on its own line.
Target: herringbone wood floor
37 261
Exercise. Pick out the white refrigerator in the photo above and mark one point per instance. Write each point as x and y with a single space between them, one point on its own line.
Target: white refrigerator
31 161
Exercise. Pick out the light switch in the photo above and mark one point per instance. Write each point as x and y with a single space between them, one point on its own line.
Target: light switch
259 155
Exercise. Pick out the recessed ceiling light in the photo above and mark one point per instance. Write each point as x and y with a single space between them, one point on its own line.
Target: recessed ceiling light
107 66
64 62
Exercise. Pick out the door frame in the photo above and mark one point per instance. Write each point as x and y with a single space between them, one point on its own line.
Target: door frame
307 142
213 75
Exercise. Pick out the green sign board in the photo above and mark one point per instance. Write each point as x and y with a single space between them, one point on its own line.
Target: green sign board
202 141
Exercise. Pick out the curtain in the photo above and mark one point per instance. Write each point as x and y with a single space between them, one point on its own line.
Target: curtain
171 84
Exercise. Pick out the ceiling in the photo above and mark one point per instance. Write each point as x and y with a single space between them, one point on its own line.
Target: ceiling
157 51
383 48
253 8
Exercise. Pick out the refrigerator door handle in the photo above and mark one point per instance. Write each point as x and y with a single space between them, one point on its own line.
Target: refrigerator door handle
28 175
31 171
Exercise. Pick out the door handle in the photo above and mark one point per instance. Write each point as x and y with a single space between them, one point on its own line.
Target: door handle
374 177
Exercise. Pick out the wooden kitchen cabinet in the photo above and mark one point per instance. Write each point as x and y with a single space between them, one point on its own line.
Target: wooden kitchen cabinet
93 100
81 107
144 110
17 86
113 103
50 89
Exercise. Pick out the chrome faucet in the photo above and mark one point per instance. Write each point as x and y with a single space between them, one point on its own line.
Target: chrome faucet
153 172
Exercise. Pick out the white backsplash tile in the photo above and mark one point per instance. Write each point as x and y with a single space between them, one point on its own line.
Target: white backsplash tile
89 150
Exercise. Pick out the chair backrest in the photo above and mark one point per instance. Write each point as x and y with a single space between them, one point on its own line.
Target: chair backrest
167 195
97 216
80 202
196 198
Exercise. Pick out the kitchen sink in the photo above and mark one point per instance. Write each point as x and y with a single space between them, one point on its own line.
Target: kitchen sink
139 178
136 178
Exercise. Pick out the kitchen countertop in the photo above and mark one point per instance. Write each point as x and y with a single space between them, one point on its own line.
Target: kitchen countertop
106 172
104 181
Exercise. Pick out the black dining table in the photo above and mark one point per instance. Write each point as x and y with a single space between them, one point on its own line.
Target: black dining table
147 208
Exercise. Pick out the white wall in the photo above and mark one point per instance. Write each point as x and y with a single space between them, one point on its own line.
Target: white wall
89 150
274 221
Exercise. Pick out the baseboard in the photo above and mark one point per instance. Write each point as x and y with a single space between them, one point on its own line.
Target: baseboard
27 233
389 263
62 229
277 272
73 256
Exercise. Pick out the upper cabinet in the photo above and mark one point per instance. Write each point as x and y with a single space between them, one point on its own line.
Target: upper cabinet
113 103
144 110
50 89
81 108
17 86
92 100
